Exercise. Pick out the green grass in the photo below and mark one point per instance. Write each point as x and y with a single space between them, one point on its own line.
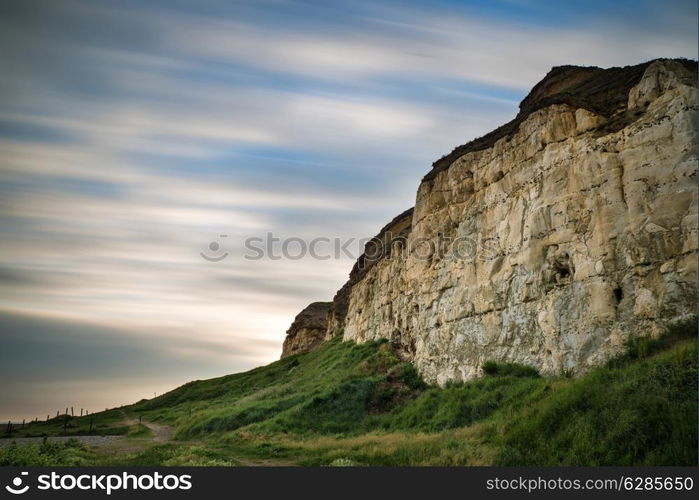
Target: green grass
341 388
642 412
70 453
349 404
438 409
362 404
171 454
109 422
139 431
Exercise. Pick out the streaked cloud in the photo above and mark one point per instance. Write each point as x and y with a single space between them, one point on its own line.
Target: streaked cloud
133 134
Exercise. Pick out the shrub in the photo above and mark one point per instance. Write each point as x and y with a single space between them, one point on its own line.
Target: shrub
641 347
69 453
509 369
641 413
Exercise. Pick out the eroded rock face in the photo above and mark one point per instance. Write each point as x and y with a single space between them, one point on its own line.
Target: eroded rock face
576 228
308 330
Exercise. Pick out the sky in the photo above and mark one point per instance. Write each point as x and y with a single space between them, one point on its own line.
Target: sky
142 143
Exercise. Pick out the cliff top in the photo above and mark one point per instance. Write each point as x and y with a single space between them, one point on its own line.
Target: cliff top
602 91
312 316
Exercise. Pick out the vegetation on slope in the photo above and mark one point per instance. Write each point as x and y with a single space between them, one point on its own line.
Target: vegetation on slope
348 404
315 408
69 453
108 422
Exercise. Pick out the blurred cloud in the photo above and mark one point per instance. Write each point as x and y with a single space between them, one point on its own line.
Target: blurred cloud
123 365
132 134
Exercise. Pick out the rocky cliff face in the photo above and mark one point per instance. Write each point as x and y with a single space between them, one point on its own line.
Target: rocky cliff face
548 242
308 330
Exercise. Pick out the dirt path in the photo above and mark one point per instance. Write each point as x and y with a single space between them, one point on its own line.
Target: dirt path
161 433
108 446
244 462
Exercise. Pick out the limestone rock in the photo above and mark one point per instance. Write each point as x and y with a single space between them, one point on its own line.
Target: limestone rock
548 242
308 330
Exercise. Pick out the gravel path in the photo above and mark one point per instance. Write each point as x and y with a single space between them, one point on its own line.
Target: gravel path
161 433
87 440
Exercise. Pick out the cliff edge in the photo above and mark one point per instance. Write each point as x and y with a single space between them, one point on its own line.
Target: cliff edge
308 330
548 242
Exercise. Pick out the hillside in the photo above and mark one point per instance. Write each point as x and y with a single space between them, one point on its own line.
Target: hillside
350 404
361 403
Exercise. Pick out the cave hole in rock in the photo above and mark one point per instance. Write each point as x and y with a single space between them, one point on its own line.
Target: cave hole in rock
618 294
562 267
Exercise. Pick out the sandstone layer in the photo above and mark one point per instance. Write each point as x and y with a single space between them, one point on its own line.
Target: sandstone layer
548 242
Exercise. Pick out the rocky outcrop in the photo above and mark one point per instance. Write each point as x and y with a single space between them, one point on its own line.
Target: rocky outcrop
375 249
548 242
308 330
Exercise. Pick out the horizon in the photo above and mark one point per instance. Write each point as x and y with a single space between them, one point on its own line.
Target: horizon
125 158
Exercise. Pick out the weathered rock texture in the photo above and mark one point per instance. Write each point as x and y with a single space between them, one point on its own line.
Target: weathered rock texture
308 330
576 228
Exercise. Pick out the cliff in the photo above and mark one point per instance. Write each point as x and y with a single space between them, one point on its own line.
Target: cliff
308 330
548 242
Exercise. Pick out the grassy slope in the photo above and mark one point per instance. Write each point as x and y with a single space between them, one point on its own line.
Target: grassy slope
109 422
359 404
